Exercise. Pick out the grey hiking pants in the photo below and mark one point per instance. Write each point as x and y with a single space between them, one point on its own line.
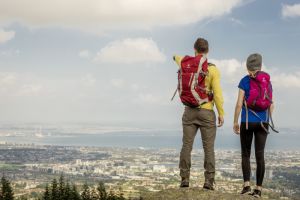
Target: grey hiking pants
192 120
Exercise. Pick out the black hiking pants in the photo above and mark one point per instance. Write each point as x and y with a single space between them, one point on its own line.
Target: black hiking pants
260 137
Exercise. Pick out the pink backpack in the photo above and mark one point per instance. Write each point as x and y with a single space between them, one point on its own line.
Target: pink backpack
191 81
260 98
260 94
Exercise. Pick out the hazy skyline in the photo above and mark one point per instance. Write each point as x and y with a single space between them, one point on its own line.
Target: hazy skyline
111 61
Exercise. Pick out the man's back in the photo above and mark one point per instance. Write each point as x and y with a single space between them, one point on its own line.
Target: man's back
212 82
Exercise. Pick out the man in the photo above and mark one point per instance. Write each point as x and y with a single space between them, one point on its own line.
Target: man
201 117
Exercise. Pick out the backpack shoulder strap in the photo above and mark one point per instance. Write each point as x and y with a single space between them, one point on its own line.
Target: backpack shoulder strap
247 117
202 60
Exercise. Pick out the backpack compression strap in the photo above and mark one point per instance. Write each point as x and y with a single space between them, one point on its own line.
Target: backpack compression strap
261 122
174 94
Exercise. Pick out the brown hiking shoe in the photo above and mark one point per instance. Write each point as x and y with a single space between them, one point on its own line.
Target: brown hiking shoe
209 184
184 183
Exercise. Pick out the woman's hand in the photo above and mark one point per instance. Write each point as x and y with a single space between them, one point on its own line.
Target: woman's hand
238 108
236 128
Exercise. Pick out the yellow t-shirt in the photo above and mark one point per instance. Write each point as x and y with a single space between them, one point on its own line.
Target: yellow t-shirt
212 82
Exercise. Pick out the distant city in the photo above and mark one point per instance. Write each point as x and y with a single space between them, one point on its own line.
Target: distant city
135 167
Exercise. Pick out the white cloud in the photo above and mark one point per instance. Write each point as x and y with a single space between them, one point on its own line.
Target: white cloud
283 80
14 84
30 90
228 67
84 54
291 10
7 79
236 21
130 50
96 15
147 98
6 35
134 87
232 70
88 80
10 52
118 83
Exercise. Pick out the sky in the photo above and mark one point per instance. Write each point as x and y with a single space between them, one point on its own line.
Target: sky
110 61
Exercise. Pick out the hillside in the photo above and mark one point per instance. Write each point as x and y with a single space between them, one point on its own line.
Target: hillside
192 194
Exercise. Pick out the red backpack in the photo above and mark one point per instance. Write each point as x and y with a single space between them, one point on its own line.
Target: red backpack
191 81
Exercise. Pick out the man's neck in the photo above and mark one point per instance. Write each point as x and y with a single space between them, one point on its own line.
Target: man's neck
197 54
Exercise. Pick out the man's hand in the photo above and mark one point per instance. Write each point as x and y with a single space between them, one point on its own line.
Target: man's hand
236 128
220 121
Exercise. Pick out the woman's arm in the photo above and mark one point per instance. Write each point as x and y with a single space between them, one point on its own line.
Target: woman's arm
272 108
238 108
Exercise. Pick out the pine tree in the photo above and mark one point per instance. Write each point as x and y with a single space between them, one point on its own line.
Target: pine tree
86 195
111 196
102 191
67 192
1 196
121 194
6 190
61 186
74 195
94 195
46 195
54 190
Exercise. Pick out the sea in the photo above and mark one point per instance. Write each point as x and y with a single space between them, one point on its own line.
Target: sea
287 139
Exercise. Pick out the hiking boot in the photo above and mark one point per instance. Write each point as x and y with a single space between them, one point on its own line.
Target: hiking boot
209 185
184 183
256 193
246 190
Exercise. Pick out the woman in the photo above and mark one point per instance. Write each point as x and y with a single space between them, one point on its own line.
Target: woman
254 121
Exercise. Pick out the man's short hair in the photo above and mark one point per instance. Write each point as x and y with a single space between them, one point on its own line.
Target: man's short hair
201 45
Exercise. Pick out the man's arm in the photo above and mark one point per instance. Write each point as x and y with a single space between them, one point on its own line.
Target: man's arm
177 59
218 96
